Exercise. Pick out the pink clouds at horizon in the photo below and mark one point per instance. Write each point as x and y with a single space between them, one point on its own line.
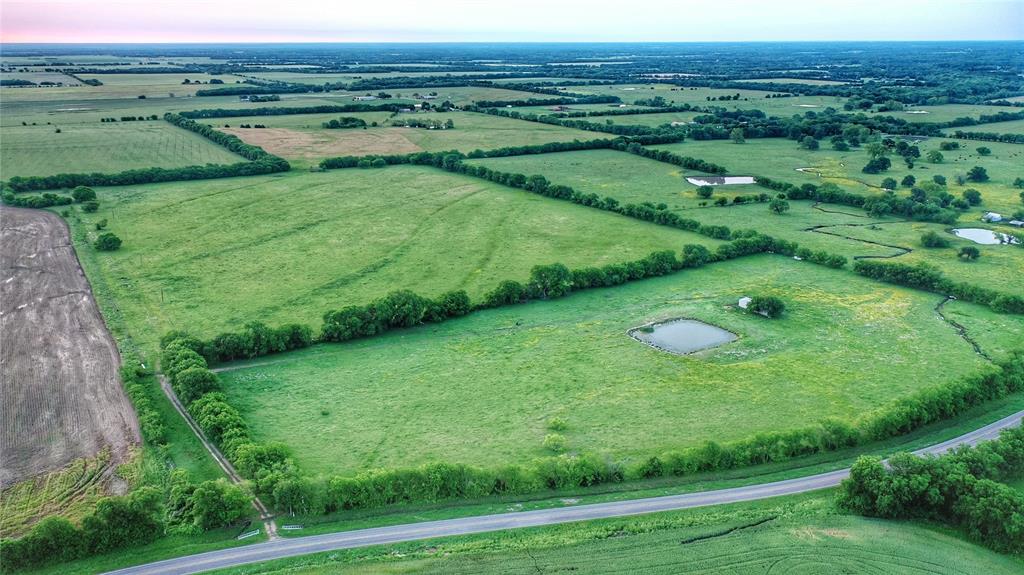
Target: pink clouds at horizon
155 21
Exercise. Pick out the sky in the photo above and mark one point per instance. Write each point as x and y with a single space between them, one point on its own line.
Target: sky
150 21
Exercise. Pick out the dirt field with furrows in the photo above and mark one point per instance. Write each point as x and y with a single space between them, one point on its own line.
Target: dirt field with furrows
60 393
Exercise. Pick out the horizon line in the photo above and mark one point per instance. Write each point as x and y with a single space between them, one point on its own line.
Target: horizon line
478 42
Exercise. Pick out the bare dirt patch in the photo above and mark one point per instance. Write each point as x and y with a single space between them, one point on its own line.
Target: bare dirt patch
60 392
289 143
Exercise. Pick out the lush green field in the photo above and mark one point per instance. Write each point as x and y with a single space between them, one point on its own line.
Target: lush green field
945 112
548 110
801 534
303 139
458 95
846 345
117 86
626 177
87 110
113 147
653 120
797 81
37 76
1011 127
780 159
749 99
210 256
300 77
632 179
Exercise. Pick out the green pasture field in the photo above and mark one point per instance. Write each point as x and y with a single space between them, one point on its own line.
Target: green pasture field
458 95
652 120
37 76
98 59
300 77
626 177
845 345
104 147
998 334
807 81
749 99
550 110
534 79
859 235
119 86
799 534
633 179
84 110
1011 127
303 138
210 256
945 112
779 159
999 266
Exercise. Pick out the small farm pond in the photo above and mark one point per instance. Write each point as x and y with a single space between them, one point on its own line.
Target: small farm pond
720 180
682 335
983 236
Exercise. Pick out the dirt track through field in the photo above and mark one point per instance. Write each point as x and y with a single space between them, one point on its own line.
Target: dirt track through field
60 393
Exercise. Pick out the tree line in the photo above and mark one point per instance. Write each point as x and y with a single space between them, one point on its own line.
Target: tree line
260 162
927 277
989 137
961 488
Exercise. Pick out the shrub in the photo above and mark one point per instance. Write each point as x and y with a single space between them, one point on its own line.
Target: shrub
766 305
969 253
554 442
107 242
930 239
218 503
557 424
977 174
83 194
972 196
507 292
90 206
778 206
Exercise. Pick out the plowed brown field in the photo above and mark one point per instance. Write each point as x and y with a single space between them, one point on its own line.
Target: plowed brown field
60 393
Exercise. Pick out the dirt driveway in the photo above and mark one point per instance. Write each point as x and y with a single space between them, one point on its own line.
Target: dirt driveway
60 392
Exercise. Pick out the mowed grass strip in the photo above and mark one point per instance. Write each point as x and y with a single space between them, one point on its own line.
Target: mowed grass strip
107 148
482 389
210 256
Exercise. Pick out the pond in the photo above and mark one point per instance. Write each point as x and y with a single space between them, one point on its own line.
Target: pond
983 236
682 335
720 180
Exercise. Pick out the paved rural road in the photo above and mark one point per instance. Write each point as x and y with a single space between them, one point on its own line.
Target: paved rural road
282 548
